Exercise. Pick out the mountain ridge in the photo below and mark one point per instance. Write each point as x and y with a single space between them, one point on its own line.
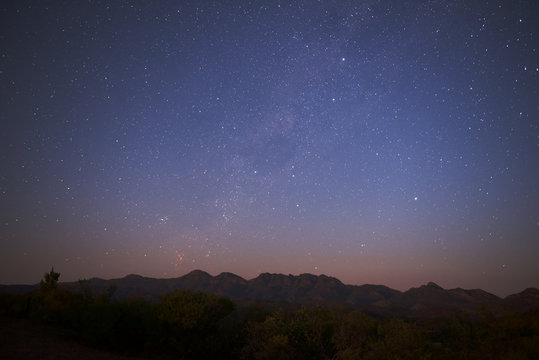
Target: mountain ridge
305 289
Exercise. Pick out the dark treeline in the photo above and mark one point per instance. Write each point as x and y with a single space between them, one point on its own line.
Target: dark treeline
194 325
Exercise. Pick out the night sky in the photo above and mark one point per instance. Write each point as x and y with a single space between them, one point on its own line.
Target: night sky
387 142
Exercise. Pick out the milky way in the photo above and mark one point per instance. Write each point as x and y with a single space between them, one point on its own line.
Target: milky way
391 142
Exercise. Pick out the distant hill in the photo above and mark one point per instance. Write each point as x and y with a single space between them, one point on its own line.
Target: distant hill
18 289
525 300
429 299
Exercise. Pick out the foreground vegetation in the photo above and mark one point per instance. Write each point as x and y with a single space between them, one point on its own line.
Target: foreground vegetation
190 325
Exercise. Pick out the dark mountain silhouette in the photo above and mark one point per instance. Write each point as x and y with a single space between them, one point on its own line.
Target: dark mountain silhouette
525 300
306 289
18 289
432 299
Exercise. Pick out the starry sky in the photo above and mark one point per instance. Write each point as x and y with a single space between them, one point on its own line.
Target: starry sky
387 142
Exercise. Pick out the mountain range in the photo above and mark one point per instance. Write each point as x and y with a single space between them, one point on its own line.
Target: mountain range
307 289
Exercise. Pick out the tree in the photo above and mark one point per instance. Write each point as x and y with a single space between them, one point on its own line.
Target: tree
352 336
49 281
193 310
399 340
192 322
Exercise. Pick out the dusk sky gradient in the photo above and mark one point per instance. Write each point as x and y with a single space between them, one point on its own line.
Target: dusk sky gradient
386 142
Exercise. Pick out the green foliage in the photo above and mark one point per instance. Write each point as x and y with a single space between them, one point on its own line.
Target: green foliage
311 331
126 325
268 339
187 310
193 322
305 334
353 335
49 281
399 340
14 305
193 325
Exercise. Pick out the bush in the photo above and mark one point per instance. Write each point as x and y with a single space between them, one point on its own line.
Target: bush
194 322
